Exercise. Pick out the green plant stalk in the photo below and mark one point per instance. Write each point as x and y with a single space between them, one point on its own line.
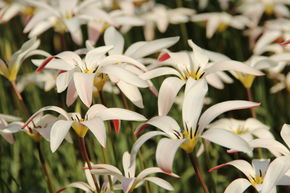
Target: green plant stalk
194 164
87 160
44 168
21 103
250 98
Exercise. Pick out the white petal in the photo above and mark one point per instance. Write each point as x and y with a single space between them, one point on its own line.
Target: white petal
8 137
160 182
268 37
275 172
231 65
272 145
215 110
84 86
40 28
238 186
132 93
113 169
154 46
121 114
62 81
285 134
140 141
159 72
71 94
97 127
48 108
129 171
58 132
124 75
227 139
74 27
153 170
165 153
95 110
113 37
167 93
193 102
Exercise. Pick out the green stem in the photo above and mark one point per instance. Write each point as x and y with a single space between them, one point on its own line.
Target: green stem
250 98
44 167
194 164
87 160
21 103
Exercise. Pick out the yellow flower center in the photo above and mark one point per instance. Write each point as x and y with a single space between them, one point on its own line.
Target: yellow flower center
246 80
100 81
222 27
79 128
189 145
29 11
241 130
269 9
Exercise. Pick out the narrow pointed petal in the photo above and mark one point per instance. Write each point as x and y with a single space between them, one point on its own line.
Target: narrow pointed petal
62 81
227 139
238 186
132 93
95 110
113 169
165 153
231 65
154 46
113 37
117 125
71 94
160 182
8 137
193 102
58 132
129 171
122 114
275 147
97 127
89 177
84 86
159 72
48 108
285 134
140 141
275 172
167 93
215 110
124 75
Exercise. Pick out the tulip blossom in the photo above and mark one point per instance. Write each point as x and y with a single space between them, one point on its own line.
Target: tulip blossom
129 181
220 21
283 83
194 126
192 65
7 129
9 69
63 16
94 69
262 175
93 121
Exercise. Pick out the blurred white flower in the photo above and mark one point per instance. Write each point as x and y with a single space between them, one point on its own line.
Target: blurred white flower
129 181
219 21
254 9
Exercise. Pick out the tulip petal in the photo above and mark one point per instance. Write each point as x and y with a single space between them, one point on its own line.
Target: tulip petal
132 93
84 86
127 184
154 46
113 37
231 65
227 139
121 114
167 93
165 153
238 186
80 185
124 75
160 182
58 132
193 102
275 147
215 110
129 171
62 81
97 127
140 141
71 94
159 72
285 134
275 172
